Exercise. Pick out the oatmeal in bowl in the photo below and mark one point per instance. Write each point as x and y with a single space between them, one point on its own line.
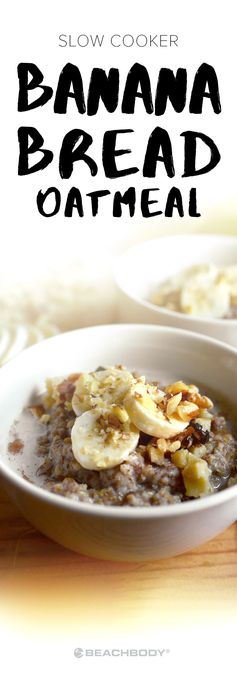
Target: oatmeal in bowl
109 437
128 462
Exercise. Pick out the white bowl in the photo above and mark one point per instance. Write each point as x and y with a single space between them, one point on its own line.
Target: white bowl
118 533
141 268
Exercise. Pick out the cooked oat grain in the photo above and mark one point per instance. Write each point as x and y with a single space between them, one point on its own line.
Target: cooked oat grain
137 481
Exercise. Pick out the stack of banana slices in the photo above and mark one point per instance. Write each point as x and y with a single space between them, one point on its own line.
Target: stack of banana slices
113 406
15 337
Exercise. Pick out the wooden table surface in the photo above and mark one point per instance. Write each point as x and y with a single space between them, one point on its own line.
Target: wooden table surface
36 574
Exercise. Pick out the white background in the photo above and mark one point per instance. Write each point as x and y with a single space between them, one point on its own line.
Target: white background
206 34
198 656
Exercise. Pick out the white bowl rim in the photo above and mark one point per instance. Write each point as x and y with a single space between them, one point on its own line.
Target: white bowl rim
123 511
222 322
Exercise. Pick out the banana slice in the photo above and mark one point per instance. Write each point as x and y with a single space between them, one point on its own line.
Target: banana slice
229 274
101 389
98 445
146 415
205 300
18 337
4 342
200 273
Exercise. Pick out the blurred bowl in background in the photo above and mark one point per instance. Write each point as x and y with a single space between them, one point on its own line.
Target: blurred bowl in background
140 269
